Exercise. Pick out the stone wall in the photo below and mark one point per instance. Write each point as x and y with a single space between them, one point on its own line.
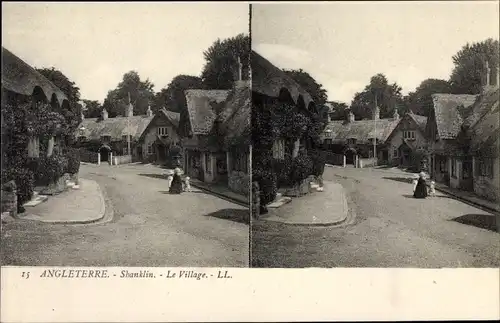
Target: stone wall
126 159
366 162
239 182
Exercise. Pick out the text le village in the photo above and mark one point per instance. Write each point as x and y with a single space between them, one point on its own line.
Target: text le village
221 274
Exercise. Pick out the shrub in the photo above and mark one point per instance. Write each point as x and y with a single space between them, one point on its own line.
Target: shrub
24 179
283 169
73 157
318 158
302 167
50 169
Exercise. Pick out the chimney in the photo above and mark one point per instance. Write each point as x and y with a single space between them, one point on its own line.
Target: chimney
396 114
350 116
240 69
104 114
129 110
376 113
149 113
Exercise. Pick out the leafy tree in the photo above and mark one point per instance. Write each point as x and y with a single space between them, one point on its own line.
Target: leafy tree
221 67
68 87
141 95
420 101
388 96
92 109
62 82
469 73
338 110
308 83
173 97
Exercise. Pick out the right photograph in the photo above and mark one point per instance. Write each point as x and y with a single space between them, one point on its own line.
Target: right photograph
375 135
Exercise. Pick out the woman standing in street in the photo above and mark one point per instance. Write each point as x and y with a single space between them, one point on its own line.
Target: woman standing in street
176 186
421 189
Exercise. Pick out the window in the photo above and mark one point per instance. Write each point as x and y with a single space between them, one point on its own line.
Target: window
328 141
328 134
105 138
208 164
351 141
163 131
409 135
466 169
279 149
454 167
240 162
485 167
34 147
395 152
125 151
82 138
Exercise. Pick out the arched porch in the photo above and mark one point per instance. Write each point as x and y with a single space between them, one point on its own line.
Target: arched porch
350 156
105 154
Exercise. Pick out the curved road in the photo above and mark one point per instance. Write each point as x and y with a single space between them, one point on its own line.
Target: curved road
391 229
149 228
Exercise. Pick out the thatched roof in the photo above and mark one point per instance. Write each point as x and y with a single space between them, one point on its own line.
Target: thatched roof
418 120
235 117
483 123
268 79
174 117
116 128
421 121
362 130
203 107
450 111
19 77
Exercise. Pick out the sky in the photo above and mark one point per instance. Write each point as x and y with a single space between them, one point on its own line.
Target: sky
343 44
94 44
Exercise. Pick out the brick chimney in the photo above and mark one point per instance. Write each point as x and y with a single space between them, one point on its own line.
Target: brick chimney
376 113
129 109
149 113
104 114
350 116
396 114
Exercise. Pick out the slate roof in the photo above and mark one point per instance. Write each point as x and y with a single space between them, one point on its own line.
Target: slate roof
450 112
203 106
361 130
113 127
483 123
268 79
19 77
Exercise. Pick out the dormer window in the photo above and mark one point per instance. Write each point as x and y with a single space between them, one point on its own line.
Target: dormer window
163 132
105 138
351 141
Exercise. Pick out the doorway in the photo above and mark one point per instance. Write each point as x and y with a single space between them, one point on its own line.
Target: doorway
105 152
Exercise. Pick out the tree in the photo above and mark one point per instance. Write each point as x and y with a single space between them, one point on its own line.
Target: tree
308 83
92 109
388 97
72 92
221 67
174 98
420 101
338 110
141 95
469 74
62 82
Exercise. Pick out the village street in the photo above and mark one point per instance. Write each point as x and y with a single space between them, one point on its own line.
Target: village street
389 229
149 227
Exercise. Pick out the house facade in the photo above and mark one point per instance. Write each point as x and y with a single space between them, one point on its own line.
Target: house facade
407 142
217 149
106 140
351 142
33 125
448 164
160 141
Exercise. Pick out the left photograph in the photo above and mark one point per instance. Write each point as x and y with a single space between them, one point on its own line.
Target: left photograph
125 134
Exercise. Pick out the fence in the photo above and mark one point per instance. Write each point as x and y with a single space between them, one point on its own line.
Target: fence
88 156
334 159
367 162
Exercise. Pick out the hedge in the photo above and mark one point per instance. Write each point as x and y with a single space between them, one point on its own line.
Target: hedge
73 157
